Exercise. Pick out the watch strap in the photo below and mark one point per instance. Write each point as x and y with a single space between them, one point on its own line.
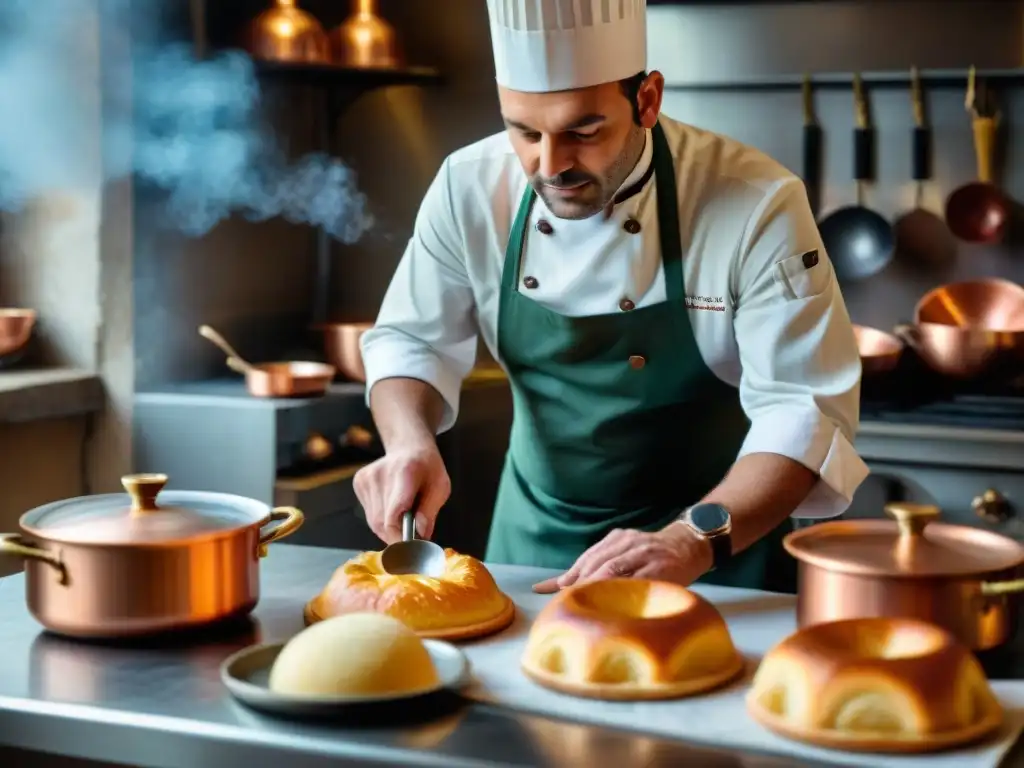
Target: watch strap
721 549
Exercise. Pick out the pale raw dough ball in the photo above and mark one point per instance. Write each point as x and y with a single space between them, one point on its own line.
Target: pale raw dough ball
357 654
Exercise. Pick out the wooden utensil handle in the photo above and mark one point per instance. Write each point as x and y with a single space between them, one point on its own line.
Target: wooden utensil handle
985 129
863 154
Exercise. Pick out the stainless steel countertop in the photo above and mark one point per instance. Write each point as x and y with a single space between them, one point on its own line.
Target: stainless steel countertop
162 705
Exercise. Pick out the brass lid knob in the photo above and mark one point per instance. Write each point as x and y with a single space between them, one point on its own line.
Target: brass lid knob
144 489
911 518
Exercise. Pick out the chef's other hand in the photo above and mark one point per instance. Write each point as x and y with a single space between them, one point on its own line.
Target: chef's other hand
674 554
415 479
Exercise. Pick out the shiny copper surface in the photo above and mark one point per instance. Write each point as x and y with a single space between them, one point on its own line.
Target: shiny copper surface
880 352
365 40
979 212
958 577
286 33
341 347
292 379
971 328
130 588
15 329
297 379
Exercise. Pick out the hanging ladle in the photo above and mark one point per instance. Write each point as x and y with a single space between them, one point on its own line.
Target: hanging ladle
979 212
412 555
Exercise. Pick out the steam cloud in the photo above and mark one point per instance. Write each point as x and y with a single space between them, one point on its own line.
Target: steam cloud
192 128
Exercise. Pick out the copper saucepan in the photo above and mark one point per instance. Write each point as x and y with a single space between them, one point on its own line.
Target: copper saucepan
960 578
120 566
293 379
967 329
341 347
880 352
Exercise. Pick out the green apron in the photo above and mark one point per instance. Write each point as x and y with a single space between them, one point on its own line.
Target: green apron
618 422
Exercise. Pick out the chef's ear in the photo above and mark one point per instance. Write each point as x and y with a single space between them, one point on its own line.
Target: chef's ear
648 99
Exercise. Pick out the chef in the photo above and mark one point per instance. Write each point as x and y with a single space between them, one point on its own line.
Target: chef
684 372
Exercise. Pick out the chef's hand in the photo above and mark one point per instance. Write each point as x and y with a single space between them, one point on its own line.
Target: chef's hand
413 479
674 553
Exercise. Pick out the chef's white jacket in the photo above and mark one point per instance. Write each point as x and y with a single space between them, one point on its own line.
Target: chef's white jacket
764 320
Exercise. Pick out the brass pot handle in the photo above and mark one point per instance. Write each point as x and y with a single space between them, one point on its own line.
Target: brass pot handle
991 588
12 544
292 520
911 518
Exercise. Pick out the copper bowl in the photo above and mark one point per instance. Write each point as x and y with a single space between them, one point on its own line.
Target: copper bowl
972 328
880 352
341 347
15 329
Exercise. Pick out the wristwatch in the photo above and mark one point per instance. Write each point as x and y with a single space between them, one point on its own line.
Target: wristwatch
713 523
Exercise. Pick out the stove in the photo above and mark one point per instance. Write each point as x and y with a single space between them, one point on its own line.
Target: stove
912 394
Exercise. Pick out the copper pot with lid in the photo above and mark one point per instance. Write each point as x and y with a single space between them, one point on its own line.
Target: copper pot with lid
961 578
116 565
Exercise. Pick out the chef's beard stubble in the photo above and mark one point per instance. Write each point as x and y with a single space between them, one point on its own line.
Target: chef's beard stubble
603 187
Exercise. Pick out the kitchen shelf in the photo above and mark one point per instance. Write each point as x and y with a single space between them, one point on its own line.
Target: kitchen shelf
843 80
346 77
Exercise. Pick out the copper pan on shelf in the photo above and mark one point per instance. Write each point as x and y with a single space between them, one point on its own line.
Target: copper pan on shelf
341 348
16 327
365 41
970 329
286 33
880 352
283 379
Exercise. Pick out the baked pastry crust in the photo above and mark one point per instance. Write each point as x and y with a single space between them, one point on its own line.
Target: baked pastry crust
630 640
463 603
874 685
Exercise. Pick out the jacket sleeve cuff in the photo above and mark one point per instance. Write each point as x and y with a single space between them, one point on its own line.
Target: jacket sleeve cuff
394 358
811 439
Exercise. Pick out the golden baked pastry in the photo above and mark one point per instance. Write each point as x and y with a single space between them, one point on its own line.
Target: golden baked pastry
874 685
361 654
463 603
630 639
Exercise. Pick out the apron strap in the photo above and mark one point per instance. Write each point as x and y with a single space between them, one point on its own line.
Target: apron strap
668 215
517 240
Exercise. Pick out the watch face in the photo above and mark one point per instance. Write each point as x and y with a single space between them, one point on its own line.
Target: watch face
709 518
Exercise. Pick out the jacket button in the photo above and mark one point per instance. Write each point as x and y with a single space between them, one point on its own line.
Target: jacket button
544 227
530 282
632 226
636 362
626 305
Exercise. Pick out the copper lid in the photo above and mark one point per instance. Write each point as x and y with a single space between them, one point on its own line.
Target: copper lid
913 545
137 518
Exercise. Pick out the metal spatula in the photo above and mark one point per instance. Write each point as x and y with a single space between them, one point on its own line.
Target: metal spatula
412 555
